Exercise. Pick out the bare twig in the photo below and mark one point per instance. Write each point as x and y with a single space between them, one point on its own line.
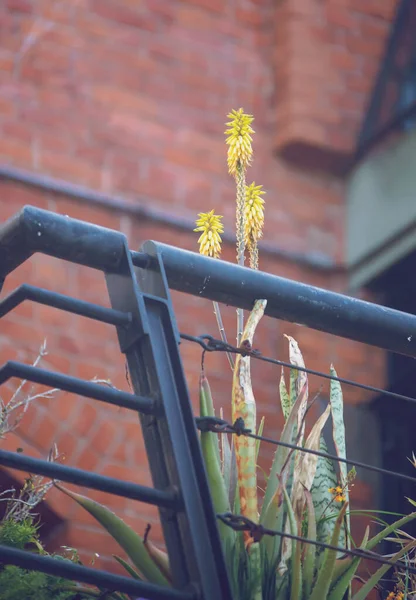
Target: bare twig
223 335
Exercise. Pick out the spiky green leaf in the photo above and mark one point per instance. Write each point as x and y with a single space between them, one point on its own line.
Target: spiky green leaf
323 581
209 446
124 535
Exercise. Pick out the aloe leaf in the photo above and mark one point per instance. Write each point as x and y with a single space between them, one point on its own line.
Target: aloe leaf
124 535
234 495
209 447
296 358
273 510
375 578
296 587
281 456
254 558
293 386
304 472
159 557
325 478
390 529
345 564
338 434
259 433
325 573
305 469
244 407
284 396
128 567
295 575
310 549
226 460
342 584
276 514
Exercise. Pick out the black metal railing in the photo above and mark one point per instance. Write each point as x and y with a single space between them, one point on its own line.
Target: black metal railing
392 105
142 313
138 285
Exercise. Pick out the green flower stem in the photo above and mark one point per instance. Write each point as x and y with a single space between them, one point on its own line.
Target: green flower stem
240 218
254 256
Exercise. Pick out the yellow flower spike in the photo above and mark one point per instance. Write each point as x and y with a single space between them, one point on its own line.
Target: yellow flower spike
253 220
240 153
210 240
239 140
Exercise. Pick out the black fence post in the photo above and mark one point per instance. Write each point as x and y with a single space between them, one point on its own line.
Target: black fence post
151 346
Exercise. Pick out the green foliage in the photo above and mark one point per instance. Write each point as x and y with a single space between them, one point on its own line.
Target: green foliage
19 584
18 535
305 496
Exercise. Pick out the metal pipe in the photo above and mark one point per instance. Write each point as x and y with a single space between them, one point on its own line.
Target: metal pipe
94 481
288 300
63 302
36 230
74 385
142 209
102 579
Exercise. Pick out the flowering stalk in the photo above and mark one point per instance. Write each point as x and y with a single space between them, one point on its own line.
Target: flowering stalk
240 223
240 154
253 221
210 226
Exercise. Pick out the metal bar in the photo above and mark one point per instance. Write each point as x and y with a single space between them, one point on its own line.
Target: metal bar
75 572
63 302
76 386
36 230
127 489
172 443
289 300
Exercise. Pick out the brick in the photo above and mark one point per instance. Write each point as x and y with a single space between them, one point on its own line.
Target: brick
214 5
16 151
46 433
66 167
121 12
123 100
87 419
20 6
6 63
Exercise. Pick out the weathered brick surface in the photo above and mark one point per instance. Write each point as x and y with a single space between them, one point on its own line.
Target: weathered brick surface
130 99
326 60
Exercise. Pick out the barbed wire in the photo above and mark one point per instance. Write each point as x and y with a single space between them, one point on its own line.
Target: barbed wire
210 344
217 425
257 531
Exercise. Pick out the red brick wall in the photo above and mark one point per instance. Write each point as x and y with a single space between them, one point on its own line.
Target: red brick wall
130 99
327 55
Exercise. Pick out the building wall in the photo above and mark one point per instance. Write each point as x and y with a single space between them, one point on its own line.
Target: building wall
129 99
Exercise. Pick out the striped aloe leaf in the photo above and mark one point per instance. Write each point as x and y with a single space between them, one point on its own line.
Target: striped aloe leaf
304 473
338 434
284 396
326 510
244 407
301 380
